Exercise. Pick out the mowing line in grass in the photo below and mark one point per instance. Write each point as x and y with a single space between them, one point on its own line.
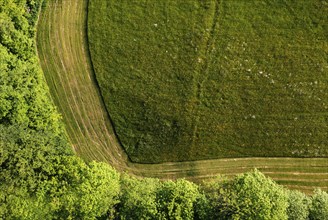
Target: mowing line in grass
64 59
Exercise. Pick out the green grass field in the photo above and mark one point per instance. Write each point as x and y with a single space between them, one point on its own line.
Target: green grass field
190 80
63 52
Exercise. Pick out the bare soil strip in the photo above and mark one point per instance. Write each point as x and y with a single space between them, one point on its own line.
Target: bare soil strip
64 56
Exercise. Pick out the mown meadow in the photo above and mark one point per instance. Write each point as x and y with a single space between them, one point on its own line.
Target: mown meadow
190 80
41 178
62 46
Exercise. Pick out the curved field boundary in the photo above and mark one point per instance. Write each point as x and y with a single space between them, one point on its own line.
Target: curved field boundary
64 56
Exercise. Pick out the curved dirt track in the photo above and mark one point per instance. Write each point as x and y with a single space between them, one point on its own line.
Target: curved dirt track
64 56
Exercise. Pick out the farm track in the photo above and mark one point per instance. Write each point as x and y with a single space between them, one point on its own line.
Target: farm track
203 69
64 56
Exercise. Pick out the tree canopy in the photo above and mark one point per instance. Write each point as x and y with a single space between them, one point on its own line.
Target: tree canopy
40 178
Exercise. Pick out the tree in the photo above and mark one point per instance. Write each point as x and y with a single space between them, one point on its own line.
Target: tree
138 198
175 200
298 205
39 180
319 206
25 157
77 190
248 196
99 193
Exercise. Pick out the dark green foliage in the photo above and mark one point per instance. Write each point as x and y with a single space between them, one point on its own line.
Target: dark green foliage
37 179
189 80
23 95
25 152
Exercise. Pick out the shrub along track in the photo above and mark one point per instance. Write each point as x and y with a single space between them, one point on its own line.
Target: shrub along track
63 51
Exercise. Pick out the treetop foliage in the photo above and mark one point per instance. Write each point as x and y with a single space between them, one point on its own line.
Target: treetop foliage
41 179
24 98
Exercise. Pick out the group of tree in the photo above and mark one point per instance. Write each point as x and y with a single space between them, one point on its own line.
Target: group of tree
39 184
40 177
